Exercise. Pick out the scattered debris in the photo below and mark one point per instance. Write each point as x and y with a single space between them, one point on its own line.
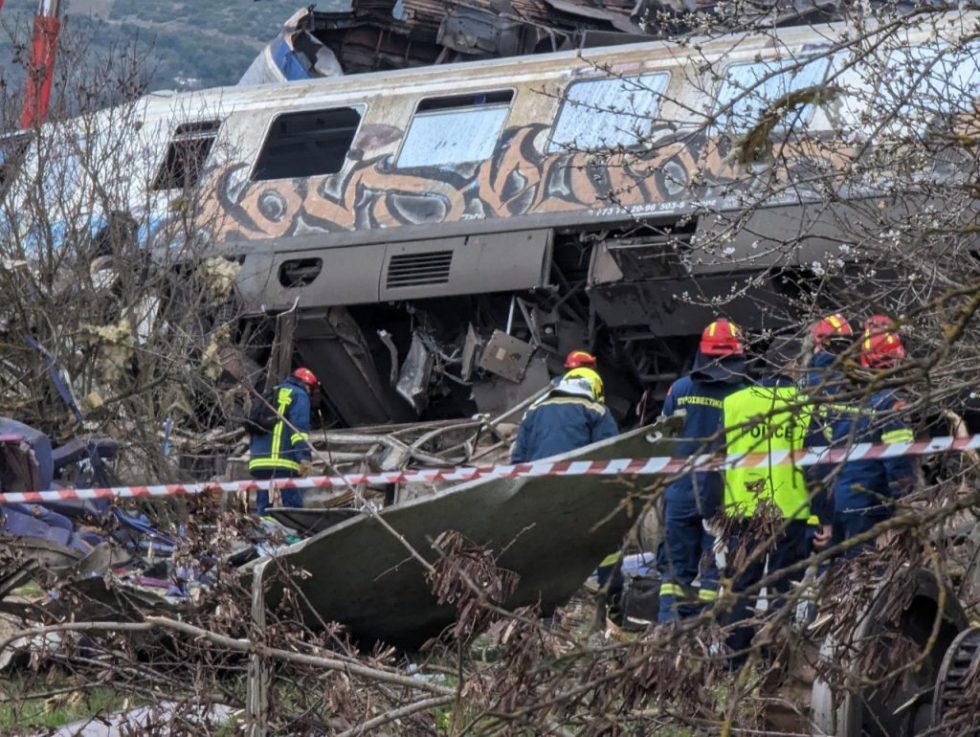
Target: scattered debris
113 346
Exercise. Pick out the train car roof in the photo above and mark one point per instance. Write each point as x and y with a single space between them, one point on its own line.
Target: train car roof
514 69
519 68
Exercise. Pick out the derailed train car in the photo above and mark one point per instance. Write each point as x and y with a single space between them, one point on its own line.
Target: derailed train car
439 236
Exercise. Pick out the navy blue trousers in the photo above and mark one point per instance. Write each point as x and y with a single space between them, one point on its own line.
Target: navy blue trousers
290 497
686 554
851 523
789 548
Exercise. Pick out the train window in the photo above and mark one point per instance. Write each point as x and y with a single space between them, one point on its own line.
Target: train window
921 85
749 89
608 113
12 150
186 155
455 130
307 144
299 272
474 99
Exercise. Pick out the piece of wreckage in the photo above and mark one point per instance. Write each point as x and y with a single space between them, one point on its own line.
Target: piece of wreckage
549 532
373 35
69 538
432 239
545 534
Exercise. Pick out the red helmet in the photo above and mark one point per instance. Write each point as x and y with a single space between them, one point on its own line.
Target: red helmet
880 345
579 359
306 376
830 328
722 338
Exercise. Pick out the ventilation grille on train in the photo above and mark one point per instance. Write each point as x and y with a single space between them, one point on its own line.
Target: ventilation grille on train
419 269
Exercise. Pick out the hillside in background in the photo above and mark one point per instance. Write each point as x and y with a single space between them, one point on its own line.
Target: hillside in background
183 44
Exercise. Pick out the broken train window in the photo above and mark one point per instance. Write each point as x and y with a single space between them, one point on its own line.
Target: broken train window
609 113
455 130
307 144
748 90
922 86
12 150
186 155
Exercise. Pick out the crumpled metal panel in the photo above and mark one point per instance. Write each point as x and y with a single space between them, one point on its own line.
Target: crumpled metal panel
395 34
413 381
552 531
506 356
332 345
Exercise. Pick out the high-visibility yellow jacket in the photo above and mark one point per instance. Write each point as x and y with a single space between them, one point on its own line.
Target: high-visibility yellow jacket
763 419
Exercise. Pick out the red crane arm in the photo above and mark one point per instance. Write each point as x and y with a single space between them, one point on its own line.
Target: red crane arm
40 71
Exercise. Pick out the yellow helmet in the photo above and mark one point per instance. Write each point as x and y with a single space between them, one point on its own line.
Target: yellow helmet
590 376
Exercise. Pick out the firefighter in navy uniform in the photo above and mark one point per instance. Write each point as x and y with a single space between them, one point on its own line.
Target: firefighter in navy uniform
284 452
570 416
833 338
770 417
687 550
865 491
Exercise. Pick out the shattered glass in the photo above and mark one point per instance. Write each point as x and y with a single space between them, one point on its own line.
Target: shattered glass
456 136
749 89
608 113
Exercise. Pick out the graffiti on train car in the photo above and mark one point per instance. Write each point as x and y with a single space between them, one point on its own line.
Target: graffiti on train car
518 180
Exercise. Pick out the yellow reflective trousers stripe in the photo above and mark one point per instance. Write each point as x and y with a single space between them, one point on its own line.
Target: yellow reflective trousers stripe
902 435
284 463
610 559
298 436
675 589
671 589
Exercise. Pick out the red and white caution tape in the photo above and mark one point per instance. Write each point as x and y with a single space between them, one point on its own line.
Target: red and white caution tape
656 466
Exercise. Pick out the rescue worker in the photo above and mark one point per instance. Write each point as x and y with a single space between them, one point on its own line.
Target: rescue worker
570 416
772 416
833 337
687 551
284 452
608 574
865 490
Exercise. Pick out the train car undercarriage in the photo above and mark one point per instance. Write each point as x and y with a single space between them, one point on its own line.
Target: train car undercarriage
459 325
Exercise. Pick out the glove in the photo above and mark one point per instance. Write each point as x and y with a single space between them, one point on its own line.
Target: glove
823 536
305 468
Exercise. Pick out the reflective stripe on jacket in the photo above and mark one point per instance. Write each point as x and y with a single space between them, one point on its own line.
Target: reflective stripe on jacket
763 419
871 484
287 445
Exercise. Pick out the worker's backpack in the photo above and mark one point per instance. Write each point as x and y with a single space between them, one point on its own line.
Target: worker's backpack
262 417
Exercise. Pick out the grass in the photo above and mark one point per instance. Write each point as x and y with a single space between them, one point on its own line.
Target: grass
29 590
52 702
